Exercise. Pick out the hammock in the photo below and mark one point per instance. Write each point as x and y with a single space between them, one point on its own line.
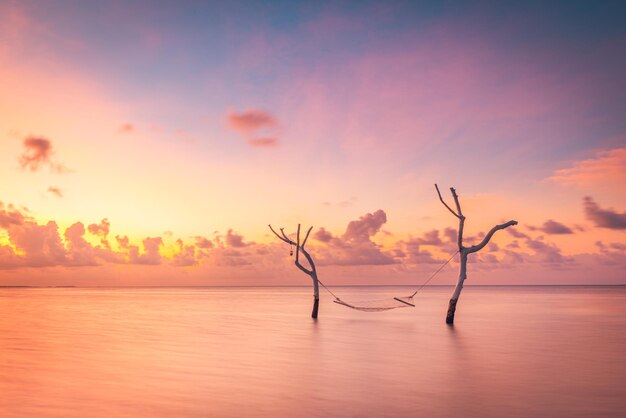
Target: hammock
380 305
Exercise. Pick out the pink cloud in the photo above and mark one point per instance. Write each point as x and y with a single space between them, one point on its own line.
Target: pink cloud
41 245
8 258
546 252
37 153
552 227
430 238
254 126
516 233
355 246
202 242
322 235
235 240
79 251
10 215
366 226
151 254
250 121
416 255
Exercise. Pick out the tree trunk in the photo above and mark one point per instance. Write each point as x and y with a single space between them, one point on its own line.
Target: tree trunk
316 305
312 272
316 294
457 290
463 250
451 311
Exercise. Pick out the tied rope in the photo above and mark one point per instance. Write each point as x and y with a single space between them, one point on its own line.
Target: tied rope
415 293
434 274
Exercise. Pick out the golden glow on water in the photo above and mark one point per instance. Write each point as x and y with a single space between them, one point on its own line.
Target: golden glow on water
159 352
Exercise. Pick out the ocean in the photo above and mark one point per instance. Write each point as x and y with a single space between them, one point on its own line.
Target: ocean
256 352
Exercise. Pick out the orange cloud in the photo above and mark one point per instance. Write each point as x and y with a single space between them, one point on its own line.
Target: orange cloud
10 215
186 255
126 128
263 142
101 230
55 191
606 166
353 255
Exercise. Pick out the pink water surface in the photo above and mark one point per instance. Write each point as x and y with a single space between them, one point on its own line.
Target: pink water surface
251 352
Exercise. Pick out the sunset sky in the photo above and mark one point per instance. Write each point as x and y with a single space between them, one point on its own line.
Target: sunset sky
150 143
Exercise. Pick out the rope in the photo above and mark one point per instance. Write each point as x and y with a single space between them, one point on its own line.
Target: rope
329 291
420 288
434 274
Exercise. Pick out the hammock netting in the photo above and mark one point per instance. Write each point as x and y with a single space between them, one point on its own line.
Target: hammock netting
379 304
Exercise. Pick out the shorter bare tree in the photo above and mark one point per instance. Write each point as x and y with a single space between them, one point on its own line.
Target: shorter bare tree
310 271
465 251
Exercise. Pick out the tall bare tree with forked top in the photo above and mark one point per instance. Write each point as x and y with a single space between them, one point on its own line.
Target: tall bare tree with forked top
465 251
312 272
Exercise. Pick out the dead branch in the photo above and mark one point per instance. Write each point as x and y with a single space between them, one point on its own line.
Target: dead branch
298 248
312 272
464 251
487 237
284 238
444 203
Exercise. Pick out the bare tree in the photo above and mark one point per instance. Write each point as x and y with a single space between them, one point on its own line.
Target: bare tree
310 271
465 251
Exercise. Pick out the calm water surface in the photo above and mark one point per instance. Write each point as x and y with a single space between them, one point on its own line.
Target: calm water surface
247 352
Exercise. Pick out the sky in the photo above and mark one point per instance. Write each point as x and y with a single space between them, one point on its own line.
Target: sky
151 143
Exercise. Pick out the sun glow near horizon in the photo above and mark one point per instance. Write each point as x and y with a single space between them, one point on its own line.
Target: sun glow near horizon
190 129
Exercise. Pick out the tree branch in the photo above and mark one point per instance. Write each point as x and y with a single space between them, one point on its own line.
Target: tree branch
284 238
306 238
459 235
487 238
298 247
444 203
456 201
282 231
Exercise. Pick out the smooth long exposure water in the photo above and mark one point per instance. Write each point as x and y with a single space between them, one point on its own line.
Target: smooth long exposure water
248 352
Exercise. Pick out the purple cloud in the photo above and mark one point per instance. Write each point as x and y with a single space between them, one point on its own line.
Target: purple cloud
552 227
603 218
